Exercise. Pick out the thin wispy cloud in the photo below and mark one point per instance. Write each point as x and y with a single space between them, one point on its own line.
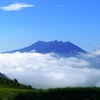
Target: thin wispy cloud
16 6
59 5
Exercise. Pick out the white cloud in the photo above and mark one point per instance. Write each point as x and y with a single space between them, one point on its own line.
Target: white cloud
16 6
45 71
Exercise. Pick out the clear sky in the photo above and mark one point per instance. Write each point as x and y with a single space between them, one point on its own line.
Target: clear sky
23 22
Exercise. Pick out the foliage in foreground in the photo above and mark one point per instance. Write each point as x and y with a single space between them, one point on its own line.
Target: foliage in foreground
18 91
91 93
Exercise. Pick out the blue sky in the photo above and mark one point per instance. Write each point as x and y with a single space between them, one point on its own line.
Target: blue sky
23 22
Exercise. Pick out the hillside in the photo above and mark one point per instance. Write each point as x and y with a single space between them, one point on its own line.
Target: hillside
5 82
3 75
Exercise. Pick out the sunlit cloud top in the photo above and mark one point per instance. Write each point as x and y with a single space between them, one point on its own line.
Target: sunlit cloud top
48 71
16 6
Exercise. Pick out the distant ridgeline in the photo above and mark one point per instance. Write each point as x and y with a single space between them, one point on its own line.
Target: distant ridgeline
58 47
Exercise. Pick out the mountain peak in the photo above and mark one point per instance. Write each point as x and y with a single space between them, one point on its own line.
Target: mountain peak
59 47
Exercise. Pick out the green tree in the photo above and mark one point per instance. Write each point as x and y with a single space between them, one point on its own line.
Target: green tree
15 80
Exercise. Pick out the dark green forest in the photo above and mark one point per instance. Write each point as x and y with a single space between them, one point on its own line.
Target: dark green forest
13 90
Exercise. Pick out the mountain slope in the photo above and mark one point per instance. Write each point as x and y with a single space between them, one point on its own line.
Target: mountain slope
58 47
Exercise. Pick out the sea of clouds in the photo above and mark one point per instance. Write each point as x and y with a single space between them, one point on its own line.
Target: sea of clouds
51 70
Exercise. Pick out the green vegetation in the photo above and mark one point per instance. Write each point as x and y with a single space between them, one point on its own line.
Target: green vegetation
5 82
12 90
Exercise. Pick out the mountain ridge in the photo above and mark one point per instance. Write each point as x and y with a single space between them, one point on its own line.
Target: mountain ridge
59 47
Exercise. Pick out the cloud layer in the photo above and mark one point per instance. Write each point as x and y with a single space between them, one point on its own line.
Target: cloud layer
46 71
16 6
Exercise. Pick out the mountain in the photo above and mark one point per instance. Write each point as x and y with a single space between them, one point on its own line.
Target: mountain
59 47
